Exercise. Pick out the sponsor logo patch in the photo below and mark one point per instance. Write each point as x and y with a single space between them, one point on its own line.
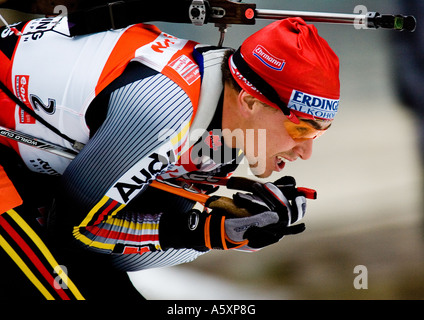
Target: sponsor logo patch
137 178
21 87
186 68
314 105
268 59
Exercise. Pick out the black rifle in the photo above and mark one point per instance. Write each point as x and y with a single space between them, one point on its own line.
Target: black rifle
116 15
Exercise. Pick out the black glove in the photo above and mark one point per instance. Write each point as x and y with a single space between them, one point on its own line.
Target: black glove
280 198
273 208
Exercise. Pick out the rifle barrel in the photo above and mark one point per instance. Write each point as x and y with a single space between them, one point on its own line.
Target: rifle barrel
312 16
372 20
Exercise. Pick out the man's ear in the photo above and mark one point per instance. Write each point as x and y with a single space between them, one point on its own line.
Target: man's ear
245 103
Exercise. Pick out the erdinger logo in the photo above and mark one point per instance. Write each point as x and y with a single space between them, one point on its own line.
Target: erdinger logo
268 59
314 105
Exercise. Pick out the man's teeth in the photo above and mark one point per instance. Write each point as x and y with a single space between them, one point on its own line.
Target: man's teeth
280 159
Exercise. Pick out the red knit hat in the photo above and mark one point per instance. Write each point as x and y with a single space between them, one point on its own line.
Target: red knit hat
289 66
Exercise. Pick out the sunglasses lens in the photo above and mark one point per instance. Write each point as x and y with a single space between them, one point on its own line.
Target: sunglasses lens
303 130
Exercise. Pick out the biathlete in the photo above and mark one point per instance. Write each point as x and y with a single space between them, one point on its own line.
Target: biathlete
147 106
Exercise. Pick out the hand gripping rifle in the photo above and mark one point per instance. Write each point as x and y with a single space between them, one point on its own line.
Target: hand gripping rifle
116 15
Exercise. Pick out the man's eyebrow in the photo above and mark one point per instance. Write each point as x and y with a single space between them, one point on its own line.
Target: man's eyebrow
316 124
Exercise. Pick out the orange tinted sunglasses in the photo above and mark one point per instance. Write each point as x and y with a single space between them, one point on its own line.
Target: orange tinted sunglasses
303 130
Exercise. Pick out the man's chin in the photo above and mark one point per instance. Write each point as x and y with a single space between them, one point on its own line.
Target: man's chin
260 172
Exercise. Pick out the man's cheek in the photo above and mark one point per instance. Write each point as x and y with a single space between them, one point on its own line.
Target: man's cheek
256 150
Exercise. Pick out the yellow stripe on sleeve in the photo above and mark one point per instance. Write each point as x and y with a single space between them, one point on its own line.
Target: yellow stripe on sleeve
93 211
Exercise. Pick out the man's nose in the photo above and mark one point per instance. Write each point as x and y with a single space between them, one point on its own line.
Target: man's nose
304 149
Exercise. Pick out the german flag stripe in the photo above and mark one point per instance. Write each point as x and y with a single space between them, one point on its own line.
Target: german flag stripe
47 254
119 235
106 206
34 259
23 266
